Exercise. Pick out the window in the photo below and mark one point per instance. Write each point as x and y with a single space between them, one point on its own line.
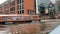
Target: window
2 7
22 1
6 12
22 6
6 5
12 12
2 12
21 12
12 3
19 7
12 9
42 10
18 1
59 8
29 11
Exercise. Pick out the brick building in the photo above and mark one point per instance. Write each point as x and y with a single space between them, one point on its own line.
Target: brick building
18 7
18 10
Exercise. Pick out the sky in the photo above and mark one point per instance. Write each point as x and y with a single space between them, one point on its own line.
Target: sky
40 1
1 1
53 1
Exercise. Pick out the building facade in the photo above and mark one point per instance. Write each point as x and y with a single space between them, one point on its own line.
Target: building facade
18 7
18 10
58 6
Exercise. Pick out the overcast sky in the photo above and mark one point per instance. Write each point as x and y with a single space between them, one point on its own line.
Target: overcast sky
1 1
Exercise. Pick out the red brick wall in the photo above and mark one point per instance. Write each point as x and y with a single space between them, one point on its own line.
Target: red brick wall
4 9
16 7
0 10
9 7
0 19
28 4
